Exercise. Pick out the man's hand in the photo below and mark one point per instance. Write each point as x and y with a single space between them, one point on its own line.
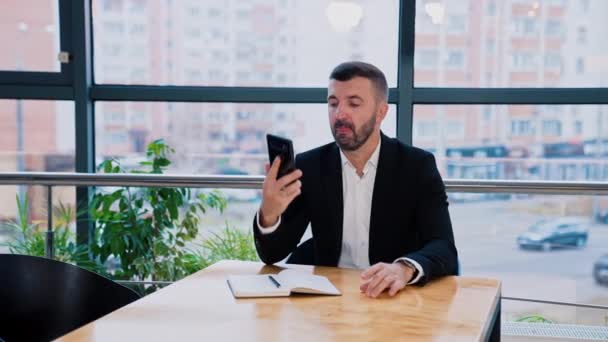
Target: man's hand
384 276
278 193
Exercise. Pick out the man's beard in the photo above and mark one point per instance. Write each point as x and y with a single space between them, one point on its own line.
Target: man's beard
358 138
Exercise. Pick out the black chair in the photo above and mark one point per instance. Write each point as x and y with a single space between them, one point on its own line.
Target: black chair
43 299
304 254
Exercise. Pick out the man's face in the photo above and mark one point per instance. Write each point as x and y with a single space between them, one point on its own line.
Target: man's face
354 111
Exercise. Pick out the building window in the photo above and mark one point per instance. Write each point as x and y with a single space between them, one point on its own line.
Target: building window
455 59
116 138
426 129
554 28
523 61
454 129
524 26
457 24
552 127
581 35
553 60
427 58
113 27
580 65
521 128
578 127
491 8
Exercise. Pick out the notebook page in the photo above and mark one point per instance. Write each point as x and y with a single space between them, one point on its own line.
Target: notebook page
255 286
303 282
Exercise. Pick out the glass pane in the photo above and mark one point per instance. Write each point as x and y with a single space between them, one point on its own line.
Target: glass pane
211 138
29 35
28 237
529 142
513 43
34 136
240 43
516 238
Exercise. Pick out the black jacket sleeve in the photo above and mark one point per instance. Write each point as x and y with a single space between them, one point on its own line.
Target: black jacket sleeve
438 256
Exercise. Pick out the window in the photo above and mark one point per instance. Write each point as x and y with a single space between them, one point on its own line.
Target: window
552 139
425 129
30 38
581 37
552 128
457 24
554 28
188 126
521 128
253 34
427 58
113 27
455 129
524 61
455 59
578 127
552 60
524 26
491 8
580 65
36 136
523 43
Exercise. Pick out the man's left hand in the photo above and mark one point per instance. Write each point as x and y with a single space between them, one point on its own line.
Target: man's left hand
382 276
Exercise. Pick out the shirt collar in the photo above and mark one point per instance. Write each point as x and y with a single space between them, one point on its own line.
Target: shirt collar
373 160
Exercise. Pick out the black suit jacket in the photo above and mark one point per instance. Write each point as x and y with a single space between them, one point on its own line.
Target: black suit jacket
409 216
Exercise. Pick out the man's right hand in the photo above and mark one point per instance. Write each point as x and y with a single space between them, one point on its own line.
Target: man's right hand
278 193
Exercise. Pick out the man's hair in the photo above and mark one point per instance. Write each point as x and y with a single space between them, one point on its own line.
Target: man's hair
349 70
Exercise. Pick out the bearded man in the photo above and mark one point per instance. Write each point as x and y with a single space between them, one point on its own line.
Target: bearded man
373 203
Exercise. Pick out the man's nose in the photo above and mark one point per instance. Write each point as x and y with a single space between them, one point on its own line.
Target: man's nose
341 112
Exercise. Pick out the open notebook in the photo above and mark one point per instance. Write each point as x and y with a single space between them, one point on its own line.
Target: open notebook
280 285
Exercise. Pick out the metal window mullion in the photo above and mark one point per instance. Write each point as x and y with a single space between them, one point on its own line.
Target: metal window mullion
549 96
65 39
36 92
84 110
405 70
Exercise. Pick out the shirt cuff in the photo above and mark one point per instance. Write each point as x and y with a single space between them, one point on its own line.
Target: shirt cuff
416 264
266 230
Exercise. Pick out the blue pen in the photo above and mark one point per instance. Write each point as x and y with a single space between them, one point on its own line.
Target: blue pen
274 281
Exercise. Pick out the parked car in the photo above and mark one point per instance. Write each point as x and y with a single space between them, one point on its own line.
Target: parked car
600 270
560 232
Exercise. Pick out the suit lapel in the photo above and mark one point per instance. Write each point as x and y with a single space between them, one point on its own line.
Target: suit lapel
332 181
385 176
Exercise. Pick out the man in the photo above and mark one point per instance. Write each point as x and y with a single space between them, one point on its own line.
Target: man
370 199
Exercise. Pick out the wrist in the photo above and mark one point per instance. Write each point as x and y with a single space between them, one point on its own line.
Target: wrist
409 270
267 220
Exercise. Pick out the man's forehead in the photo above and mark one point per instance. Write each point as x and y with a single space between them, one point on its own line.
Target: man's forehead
357 86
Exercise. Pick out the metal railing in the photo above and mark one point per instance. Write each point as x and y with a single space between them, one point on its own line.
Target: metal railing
51 179
255 182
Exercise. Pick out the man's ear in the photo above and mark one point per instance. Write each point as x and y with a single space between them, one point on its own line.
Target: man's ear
381 112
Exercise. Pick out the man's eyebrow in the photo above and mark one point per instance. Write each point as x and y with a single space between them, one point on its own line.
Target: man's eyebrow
352 97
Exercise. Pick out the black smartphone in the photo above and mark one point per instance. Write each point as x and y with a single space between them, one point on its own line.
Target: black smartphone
282 147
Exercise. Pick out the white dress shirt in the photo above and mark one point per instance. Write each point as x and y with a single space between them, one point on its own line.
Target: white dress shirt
357 195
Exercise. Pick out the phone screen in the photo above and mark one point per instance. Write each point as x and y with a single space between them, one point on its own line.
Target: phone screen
283 147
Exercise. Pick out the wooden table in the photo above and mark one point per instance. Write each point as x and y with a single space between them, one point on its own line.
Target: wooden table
202 308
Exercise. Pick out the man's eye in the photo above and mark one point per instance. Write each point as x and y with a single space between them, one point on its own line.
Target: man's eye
333 104
353 104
